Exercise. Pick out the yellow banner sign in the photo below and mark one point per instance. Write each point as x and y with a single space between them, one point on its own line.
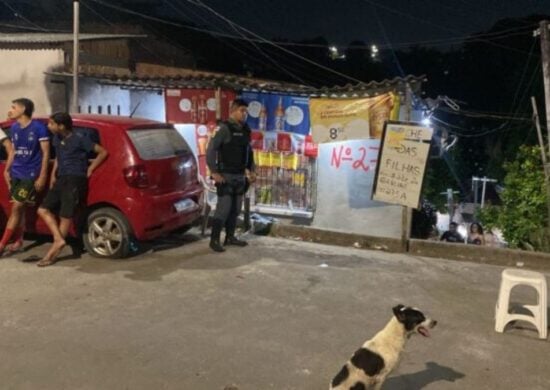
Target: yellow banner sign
347 119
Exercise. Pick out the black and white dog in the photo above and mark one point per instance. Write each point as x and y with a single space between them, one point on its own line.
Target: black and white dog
371 364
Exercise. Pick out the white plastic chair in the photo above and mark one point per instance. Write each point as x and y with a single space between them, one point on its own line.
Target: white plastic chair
514 277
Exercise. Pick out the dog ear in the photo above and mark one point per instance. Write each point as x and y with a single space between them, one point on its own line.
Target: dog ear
398 312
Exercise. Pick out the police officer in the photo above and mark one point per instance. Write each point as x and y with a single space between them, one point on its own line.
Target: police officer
231 162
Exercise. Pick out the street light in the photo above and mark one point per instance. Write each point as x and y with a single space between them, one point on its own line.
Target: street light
374 52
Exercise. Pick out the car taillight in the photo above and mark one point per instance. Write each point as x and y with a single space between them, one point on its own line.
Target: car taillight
136 176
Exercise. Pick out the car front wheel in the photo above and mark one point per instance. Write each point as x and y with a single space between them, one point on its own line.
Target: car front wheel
107 234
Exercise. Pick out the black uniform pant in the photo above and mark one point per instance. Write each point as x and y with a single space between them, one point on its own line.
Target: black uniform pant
230 200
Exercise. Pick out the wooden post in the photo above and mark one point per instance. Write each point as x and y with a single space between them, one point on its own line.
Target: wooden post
536 119
545 52
406 215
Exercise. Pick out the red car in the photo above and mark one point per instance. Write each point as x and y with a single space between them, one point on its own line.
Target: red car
147 187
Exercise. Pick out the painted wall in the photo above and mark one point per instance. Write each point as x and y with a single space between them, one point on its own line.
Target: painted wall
150 105
95 98
23 75
344 188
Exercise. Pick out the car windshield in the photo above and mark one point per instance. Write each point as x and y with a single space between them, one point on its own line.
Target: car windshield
156 144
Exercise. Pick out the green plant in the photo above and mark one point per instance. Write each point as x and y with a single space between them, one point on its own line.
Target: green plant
523 214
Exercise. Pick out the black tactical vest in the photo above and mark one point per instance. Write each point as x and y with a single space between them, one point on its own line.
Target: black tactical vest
233 155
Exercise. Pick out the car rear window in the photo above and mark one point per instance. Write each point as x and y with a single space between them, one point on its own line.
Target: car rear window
156 144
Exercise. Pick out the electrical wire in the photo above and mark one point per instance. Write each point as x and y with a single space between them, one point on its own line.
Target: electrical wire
527 63
481 115
17 14
29 28
389 9
482 134
244 53
266 56
112 24
430 42
200 3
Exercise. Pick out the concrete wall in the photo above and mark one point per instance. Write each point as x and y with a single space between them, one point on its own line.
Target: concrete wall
93 95
23 75
150 105
344 190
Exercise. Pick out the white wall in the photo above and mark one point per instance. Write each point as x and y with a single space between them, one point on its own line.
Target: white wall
344 193
93 95
23 75
151 105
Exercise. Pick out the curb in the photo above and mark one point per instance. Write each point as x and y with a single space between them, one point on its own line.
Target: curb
460 252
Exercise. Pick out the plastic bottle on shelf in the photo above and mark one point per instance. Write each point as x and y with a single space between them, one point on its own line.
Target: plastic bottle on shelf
262 123
280 116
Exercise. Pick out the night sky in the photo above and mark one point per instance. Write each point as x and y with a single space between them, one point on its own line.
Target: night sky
396 22
373 21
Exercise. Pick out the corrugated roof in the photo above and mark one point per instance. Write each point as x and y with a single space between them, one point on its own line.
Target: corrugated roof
189 78
52 38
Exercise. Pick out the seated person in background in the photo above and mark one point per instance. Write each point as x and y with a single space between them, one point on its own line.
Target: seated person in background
490 239
476 234
452 235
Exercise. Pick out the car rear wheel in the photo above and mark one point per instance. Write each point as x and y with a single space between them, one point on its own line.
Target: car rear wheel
108 234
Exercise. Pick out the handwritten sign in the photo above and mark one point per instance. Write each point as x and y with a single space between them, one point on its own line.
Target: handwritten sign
403 156
362 157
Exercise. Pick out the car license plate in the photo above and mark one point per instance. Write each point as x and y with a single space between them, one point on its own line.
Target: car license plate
185 205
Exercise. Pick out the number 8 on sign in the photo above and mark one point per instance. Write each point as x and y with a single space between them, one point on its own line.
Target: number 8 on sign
333 133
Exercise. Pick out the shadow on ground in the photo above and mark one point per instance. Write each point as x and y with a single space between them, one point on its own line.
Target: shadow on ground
431 374
154 260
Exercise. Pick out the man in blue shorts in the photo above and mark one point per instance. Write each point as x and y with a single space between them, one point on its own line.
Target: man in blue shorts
27 172
69 180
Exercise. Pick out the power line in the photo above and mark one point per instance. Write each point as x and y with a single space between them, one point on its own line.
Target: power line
29 28
523 74
246 54
198 2
432 42
479 114
482 134
17 14
389 9
121 9
277 65
111 24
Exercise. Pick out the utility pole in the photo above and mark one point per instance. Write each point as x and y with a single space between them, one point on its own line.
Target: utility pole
76 52
475 189
484 180
545 52
450 203
536 119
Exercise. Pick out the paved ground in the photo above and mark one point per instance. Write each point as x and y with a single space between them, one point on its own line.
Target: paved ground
276 315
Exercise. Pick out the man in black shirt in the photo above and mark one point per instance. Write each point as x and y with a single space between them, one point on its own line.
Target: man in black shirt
452 235
231 162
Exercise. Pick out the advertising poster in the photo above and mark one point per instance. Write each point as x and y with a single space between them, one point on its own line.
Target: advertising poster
274 112
335 120
197 105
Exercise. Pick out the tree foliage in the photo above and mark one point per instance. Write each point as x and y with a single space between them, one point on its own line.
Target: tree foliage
523 213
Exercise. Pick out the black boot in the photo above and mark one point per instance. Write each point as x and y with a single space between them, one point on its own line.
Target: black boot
232 240
230 226
215 236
